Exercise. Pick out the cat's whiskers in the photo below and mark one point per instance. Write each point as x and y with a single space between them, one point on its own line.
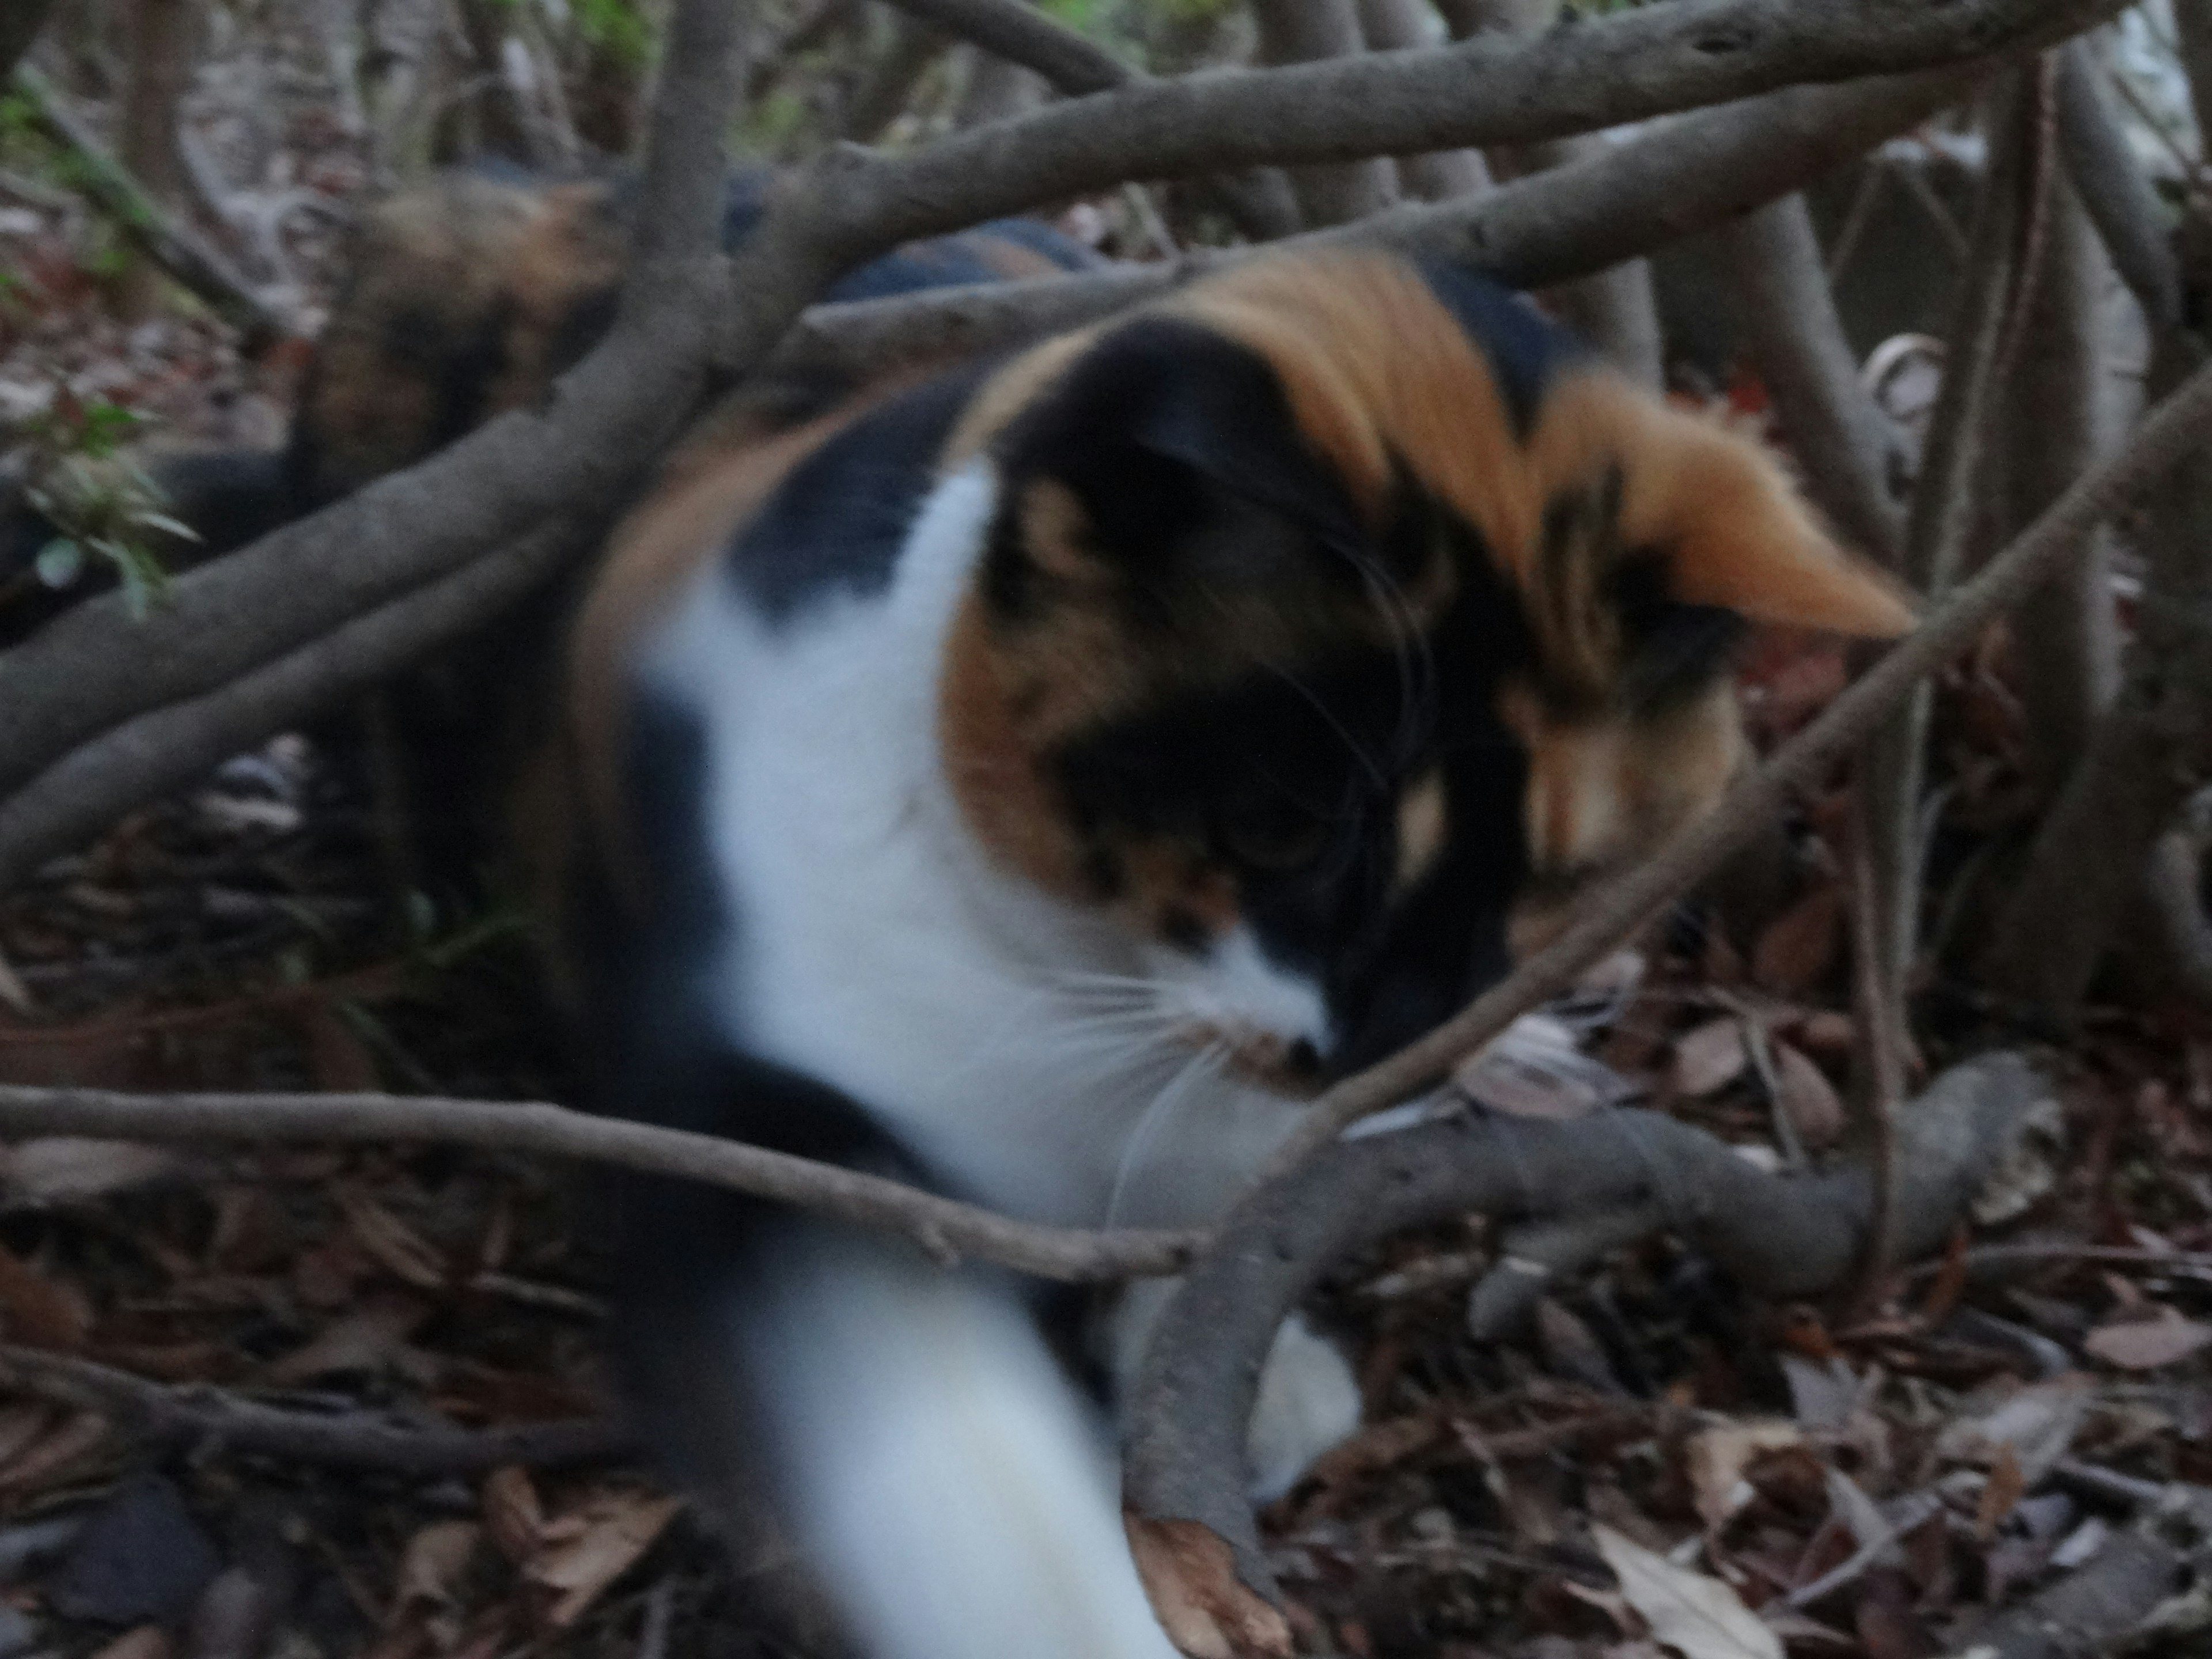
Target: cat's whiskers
1200 1068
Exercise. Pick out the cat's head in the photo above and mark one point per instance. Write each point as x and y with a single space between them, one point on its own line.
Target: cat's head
1334 616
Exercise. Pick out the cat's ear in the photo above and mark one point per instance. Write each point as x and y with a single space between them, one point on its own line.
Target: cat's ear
1727 525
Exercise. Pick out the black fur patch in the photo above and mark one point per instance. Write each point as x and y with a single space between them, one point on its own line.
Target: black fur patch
1525 348
837 522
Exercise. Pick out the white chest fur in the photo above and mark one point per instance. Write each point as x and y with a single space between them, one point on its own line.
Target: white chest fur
999 1031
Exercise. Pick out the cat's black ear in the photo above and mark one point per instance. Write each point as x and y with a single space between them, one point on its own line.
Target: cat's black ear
1162 433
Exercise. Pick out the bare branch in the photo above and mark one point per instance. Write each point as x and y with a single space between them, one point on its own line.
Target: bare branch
1848 448
1689 175
2115 190
1022 34
1314 31
1615 308
605 421
91 669
1986 312
196 1417
165 748
173 246
1781 1235
945 1229
1437 175
2175 429
2057 417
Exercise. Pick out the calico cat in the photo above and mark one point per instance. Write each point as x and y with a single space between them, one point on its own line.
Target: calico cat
1034 782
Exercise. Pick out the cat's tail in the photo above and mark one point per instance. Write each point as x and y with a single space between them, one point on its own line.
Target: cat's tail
949 1488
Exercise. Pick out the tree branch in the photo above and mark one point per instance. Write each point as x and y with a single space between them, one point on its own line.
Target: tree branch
1849 449
165 239
941 1226
92 669
1689 175
2114 189
1074 64
194 1418
73 680
2176 430
1781 1235
167 748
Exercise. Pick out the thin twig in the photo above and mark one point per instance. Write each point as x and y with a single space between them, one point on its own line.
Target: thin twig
941 1226
363 1439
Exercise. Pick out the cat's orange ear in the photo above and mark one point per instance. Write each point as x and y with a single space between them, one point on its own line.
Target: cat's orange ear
1728 524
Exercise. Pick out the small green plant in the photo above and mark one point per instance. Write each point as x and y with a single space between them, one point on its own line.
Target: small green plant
103 505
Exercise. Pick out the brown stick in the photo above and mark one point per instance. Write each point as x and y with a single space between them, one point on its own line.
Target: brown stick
363 1439
2173 431
1782 1235
91 668
1847 447
945 1229
151 228
1689 175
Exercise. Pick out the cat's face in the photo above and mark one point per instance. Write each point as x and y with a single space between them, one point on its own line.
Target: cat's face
1300 655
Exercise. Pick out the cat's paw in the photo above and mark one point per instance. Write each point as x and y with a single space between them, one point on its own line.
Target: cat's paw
1309 1401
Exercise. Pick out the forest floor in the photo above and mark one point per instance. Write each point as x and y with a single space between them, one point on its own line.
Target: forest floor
1873 1485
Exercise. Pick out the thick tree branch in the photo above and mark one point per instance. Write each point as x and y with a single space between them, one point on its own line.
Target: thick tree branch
1321 31
2176 430
2115 190
606 419
1781 1235
1688 175
941 1226
167 748
1022 34
196 1418
91 669
1616 307
1848 448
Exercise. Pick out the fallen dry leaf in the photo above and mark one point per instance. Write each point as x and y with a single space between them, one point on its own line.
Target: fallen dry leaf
2006 1486
431 1567
1710 1058
2144 1345
68 1169
1208 1613
41 1311
1698 1617
147 1642
615 1531
1718 1456
513 1513
368 1341
402 1251
2036 1426
1808 1097
1798 948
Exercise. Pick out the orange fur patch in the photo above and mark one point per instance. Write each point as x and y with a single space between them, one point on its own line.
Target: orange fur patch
1713 503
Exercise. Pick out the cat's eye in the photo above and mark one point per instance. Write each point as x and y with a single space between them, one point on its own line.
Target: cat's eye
1274 836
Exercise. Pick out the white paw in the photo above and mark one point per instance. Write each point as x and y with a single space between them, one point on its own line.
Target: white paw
1309 1401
